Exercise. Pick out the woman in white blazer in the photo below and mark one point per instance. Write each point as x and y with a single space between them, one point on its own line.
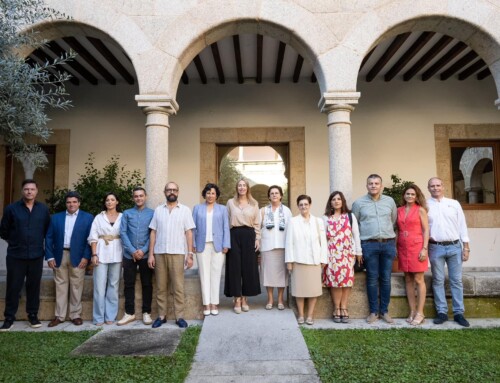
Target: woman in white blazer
212 241
305 256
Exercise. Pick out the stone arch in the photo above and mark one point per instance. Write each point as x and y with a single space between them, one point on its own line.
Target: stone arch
282 20
473 23
94 18
472 165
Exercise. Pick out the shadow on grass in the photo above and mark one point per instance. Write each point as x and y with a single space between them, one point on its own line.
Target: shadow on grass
44 357
405 355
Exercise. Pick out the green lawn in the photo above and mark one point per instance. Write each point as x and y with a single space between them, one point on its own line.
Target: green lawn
406 355
44 357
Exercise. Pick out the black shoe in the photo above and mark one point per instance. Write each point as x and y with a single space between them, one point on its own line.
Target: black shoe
7 325
34 322
158 322
459 318
181 323
440 319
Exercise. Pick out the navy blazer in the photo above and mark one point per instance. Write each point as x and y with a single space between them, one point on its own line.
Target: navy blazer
54 240
220 227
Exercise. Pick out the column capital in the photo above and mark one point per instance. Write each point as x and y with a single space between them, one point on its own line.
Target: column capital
157 102
334 100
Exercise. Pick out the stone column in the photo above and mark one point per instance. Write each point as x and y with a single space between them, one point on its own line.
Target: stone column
157 109
338 107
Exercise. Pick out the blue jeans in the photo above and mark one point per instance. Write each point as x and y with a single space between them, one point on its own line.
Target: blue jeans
378 258
106 282
450 255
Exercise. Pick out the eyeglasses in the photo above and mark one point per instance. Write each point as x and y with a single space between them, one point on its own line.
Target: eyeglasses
171 190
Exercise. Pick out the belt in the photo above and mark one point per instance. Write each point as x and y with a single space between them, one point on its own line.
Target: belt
444 243
66 248
108 238
380 240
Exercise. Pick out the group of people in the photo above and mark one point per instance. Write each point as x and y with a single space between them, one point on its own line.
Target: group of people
305 251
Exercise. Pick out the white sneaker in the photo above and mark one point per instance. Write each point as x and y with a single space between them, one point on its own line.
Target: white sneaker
126 319
146 319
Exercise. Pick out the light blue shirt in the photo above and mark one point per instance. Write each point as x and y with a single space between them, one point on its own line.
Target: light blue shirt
376 219
134 230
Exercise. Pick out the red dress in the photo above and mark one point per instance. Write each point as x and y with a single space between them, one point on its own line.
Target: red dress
410 240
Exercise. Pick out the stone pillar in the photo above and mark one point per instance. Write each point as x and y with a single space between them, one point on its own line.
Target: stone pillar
157 109
338 107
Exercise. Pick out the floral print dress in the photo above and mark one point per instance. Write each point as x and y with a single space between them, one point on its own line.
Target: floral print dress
339 272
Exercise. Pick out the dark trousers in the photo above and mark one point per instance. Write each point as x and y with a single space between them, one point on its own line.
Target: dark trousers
129 276
242 269
19 270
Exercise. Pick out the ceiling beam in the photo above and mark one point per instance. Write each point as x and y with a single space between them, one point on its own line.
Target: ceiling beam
279 62
237 57
91 60
427 57
260 47
298 68
408 55
483 74
218 62
199 67
44 57
75 65
458 65
185 78
114 62
443 61
388 54
471 69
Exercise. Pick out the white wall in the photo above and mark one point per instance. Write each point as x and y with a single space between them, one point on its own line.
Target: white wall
392 131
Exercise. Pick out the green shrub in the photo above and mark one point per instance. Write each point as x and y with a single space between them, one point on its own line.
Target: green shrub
95 183
396 190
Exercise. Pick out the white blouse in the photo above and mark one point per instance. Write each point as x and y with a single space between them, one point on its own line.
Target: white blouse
113 251
274 238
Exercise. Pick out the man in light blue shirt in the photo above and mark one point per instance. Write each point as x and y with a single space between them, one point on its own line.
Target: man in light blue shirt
377 214
134 233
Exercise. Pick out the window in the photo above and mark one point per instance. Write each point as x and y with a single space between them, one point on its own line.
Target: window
475 173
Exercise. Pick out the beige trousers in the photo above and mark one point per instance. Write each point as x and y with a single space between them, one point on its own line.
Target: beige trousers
170 268
69 281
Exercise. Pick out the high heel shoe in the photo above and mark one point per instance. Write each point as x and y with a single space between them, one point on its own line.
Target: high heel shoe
337 318
410 317
418 319
344 315
244 305
237 305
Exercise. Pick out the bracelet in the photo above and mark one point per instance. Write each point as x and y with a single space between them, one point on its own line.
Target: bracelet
425 248
190 253
94 255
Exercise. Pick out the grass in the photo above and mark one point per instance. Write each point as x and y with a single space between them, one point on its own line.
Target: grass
44 357
405 355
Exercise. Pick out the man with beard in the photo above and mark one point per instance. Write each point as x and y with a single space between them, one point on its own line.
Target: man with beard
170 250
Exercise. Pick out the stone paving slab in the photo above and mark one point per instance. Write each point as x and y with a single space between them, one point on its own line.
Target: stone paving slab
254 368
254 378
131 342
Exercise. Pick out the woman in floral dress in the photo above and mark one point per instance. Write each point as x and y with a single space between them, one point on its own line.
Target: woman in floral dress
344 245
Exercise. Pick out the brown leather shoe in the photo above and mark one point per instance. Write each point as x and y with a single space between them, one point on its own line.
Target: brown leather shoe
54 322
77 321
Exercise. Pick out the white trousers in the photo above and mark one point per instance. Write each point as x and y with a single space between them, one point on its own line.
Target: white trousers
210 268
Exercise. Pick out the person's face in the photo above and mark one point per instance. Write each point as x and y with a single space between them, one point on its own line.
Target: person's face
139 198
242 188
211 196
336 202
304 207
171 192
29 192
436 188
274 196
72 205
111 202
410 196
374 186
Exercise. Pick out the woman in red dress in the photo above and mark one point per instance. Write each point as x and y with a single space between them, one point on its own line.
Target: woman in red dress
344 246
413 239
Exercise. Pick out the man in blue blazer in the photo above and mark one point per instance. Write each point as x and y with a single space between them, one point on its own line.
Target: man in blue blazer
67 253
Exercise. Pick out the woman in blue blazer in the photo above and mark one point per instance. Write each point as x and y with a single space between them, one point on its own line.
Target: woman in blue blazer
211 241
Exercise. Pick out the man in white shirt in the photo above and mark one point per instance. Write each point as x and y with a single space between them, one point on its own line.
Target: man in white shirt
170 250
448 244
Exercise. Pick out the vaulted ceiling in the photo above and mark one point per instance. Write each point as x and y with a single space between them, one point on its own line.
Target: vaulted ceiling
250 58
